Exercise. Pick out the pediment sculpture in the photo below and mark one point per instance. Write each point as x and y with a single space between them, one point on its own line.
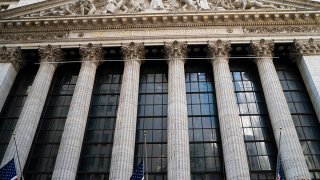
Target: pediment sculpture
91 7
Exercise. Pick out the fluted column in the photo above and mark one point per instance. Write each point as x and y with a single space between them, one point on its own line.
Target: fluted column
74 129
178 136
31 112
307 57
10 63
125 130
234 150
292 157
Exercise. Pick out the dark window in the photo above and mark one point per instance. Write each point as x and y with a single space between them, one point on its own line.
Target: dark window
46 143
303 114
206 159
97 144
13 105
152 119
257 131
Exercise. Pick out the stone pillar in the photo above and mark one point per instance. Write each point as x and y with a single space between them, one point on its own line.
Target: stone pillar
71 142
178 135
308 61
234 149
125 130
292 157
10 63
31 112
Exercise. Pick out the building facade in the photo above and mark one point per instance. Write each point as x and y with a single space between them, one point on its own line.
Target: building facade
202 89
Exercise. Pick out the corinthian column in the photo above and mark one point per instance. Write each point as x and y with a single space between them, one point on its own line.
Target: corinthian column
234 150
292 157
125 130
72 137
308 61
10 63
31 112
178 135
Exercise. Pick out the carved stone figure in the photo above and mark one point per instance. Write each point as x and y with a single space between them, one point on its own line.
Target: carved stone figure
203 5
188 4
156 5
248 4
87 7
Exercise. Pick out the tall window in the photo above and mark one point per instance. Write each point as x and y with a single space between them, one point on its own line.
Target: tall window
205 142
46 143
303 114
14 103
96 151
152 118
258 134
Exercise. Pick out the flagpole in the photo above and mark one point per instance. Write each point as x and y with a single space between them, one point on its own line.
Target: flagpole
279 153
15 143
145 150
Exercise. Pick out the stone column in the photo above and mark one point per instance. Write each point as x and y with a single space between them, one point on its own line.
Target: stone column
31 112
307 55
292 157
71 142
10 63
178 135
234 149
125 130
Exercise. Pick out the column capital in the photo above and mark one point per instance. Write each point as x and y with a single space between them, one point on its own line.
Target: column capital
262 48
176 51
308 48
133 52
92 53
219 49
11 55
50 54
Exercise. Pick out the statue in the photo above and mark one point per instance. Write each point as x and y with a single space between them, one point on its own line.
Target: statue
156 5
248 4
188 4
87 7
203 5
112 7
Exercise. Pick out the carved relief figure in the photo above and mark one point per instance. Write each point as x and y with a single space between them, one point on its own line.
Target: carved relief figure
87 7
156 5
248 4
188 4
203 5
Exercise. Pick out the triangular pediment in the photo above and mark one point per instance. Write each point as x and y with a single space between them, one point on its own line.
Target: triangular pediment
61 8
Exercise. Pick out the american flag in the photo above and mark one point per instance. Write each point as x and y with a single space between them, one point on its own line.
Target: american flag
280 175
8 171
138 173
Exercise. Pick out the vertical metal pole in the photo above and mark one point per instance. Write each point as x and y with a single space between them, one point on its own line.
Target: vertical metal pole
279 154
146 153
15 143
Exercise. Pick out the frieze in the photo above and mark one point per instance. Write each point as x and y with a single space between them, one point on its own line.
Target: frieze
94 7
279 29
33 36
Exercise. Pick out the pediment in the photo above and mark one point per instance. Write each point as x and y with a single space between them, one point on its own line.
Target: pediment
61 8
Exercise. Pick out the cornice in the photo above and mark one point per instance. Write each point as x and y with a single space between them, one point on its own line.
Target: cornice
97 22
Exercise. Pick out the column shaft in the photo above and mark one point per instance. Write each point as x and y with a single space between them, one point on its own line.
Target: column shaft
309 67
234 150
178 135
72 137
294 163
125 130
307 55
7 76
30 115
124 137
10 62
